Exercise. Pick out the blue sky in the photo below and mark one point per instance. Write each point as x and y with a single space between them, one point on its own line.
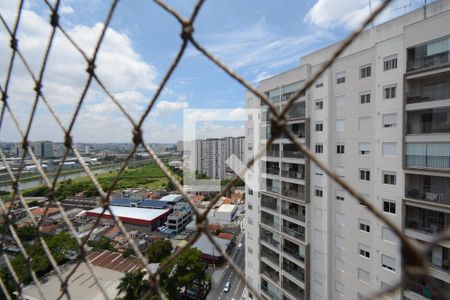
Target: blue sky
256 41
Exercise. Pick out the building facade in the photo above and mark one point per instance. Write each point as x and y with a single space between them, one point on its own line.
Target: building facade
380 118
211 155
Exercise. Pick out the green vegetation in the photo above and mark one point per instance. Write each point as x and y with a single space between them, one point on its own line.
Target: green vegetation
102 243
184 273
239 182
158 250
61 246
132 285
149 176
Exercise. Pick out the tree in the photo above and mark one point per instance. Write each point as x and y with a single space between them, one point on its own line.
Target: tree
158 250
133 285
184 273
102 243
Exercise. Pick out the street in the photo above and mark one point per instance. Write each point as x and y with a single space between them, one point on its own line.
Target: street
236 284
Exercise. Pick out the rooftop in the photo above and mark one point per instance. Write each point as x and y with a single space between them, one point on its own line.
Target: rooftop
145 214
227 208
172 198
206 247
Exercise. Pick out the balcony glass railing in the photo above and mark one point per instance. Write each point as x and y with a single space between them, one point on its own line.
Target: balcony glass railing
294 193
432 92
430 193
273 153
272 257
294 213
296 272
430 61
270 222
268 272
293 289
294 233
293 174
273 171
296 114
269 202
428 161
428 127
294 253
272 293
293 154
429 226
271 241
426 290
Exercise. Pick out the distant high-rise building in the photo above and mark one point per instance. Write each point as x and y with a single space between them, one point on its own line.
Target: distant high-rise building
42 149
211 155
379 117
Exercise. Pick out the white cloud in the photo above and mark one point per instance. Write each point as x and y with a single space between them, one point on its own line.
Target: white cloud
350 13
66 10
118 65
259 48
170 106
214 130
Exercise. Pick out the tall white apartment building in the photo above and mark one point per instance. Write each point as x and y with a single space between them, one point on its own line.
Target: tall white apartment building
211 155
379 117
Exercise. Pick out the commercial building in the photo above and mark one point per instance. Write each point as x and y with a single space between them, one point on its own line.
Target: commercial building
224 214
181 216
211 155
42 149
141 219
379 117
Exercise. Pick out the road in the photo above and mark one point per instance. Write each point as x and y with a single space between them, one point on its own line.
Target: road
237 285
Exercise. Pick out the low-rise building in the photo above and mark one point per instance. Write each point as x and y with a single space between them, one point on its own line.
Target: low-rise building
177 221
226 213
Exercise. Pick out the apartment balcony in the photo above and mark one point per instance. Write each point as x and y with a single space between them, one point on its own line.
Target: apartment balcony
293 270
269 202
293 174
294 230
293 154
428 161
269 237
272 186
269 220
270 255
428 121
426 289
427 62
270 290
433 189
293 210
273 153
293 289
294 114
293 190
426 221
294 250
273 171
269 272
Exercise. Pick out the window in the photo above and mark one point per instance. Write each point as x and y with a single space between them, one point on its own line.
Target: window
319 82
250 221
340 77
390 63
390 92
340 195
339 264
250 206
389 149
364 250
319 171
364 225
319 104
363 275
318 192
389 206
389 178
340 218
388 262
340 171
340 148
364 98
339 286
364 149
340 241
364 123
319 148
250 192
389 120
319 126
340 101
365 71
364 174
249 250
340 125
388 235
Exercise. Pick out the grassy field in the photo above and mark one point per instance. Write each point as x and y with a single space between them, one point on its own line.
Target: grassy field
149 176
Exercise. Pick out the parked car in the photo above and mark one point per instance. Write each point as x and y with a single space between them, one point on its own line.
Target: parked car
226 289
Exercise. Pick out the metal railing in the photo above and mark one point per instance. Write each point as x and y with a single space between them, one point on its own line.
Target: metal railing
435 92
428 127
293 174
293 289
294 233
293 213
428 161
90 60
439 59
292 154
436 194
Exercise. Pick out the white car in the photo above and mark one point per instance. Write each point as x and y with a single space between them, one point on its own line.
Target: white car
226 289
